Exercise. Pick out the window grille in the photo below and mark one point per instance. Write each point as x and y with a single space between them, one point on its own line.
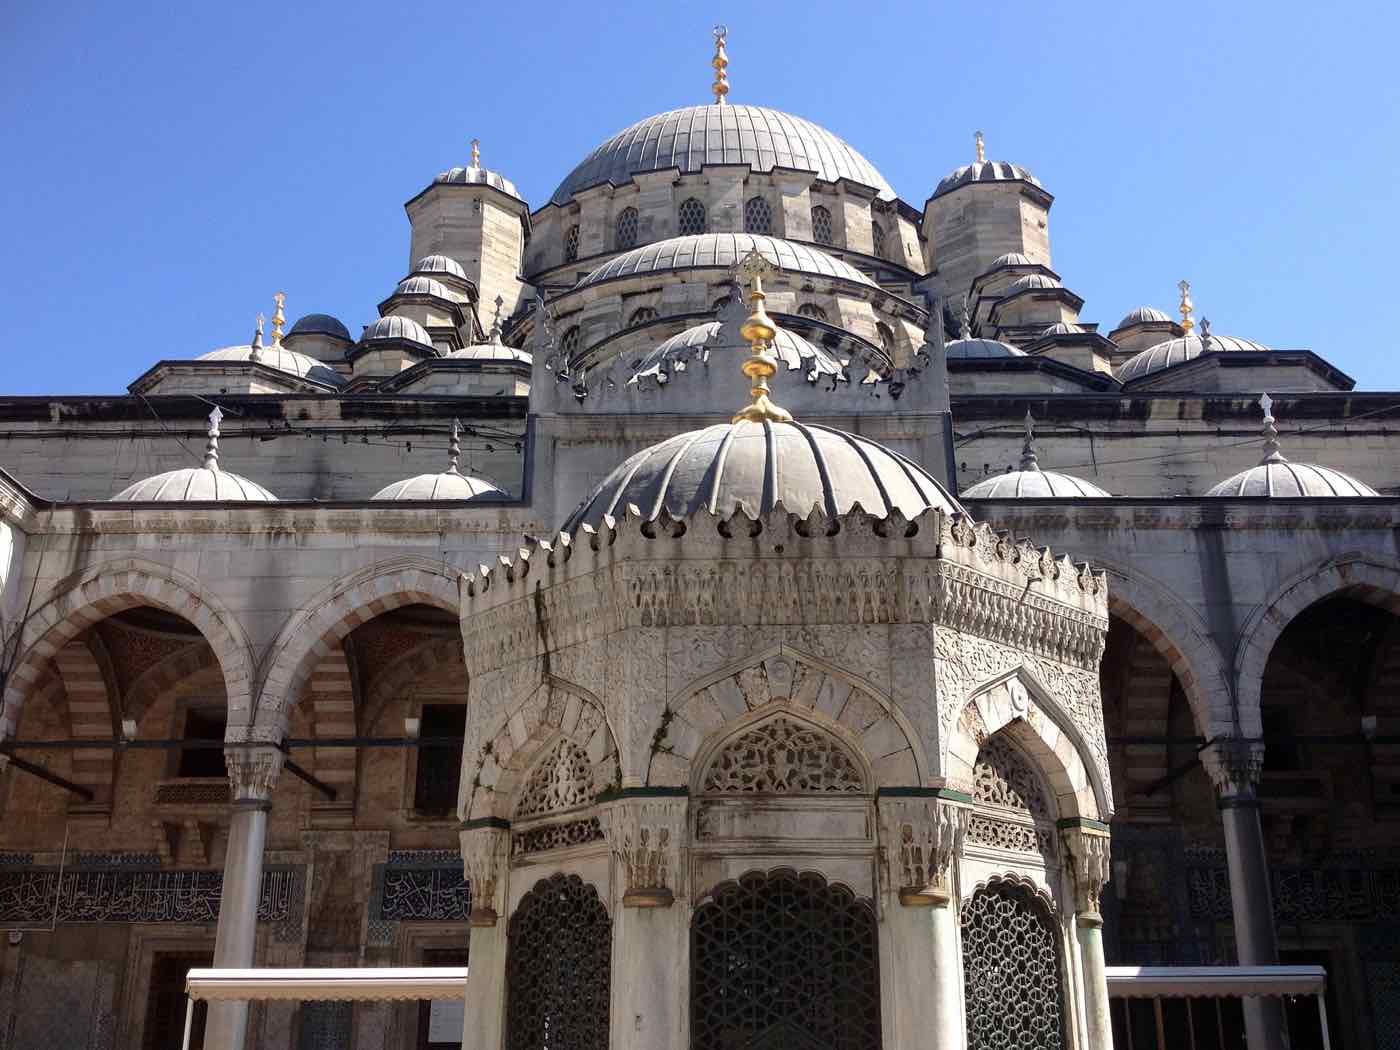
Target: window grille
821 225
811 310
571 244
691 217
627 229
758 216
1011 970
642 316
563 780
877 239
568 343
782 757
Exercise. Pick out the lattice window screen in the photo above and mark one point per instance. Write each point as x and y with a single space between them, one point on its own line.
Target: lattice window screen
1011 971
782 757
821 225
627 229
1002 776
758 216
562 781
877 238
691 217
571 245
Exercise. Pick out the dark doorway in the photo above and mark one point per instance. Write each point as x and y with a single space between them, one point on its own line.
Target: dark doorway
437 1020
440 765
206 725
1304 1025
165 1005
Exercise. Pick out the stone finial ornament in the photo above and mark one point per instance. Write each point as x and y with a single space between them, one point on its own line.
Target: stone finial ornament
279 318
1028 456
721 63
454 447
496 321
1271 446
760 331
476 153
981 148
1187 307
255 347
211 447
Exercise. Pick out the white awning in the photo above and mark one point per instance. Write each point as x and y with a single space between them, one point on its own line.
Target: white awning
427 982
1182 982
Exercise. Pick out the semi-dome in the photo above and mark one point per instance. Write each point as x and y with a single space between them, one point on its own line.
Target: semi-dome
1143 315
723 251
754 466
279 357
1030 482
984 171
692 137
968 349
1183 348
1276 476
397 327
1031 282
791 350
321 324
431 264
202 484
422 286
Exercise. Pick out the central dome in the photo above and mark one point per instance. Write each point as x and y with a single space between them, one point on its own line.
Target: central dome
690 138
755 466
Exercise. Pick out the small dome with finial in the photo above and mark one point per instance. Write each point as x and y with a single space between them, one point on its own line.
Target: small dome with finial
984 170
1181 349
1276 476
435 265
1030 482
475 174
397 327
206 483
280 357
1143 315
451 484
320 324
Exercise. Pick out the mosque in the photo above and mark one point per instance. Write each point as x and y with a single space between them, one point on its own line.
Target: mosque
725 605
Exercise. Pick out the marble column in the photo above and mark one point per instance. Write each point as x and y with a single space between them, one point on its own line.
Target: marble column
485 860
1235 766
253 774
1087 845
651 929
921 837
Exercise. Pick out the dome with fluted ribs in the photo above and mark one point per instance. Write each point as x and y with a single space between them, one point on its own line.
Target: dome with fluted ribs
1282 478
1143 315
692 137
971 349
723 251
397 327
195 485
282 359
694 343
431 264
984 171
753 467
449 485
321 324
1033 484
1184 348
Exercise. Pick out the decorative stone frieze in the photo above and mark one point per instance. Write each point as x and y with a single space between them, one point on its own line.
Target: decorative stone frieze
253 773
920 837
485 851
1091 865
646 834
1234 766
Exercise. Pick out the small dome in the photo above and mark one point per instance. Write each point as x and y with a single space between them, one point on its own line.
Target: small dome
492 351
791 349
984 171
440 264
1063 328
692 137
1143 315
282 359
1033 484
321 324
1283 478
1010 259
723 251
983 349
1175 351
478 176
449 485
422 286
1030 282
396 327
195 485
755 466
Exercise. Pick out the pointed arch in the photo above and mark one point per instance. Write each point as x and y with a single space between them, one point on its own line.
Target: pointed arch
164 676
817 756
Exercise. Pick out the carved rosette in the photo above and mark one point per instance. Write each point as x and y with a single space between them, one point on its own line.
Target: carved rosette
484 854
646 835
919 840
1234 765
253 773
1091 865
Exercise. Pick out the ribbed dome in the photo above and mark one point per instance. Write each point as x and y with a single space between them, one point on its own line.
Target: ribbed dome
1063 328
492 351
195 485
1143 315
396 327
1175 351
422 286
478 176
984 171
440 264
449 485
282 359
723 251
1032 484
676 353
1283 478
321 324
1009 259
970 349
1030 282
689 138
755 466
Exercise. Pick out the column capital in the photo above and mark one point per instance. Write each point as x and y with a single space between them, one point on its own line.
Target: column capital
485 852
647 833
1091 863
920 837
253 772
1234 765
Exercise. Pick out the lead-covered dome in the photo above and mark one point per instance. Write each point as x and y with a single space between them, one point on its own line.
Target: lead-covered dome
321 324
1143 315
676 353
203 484
1030 482
440 264
984 171
754 466
279 357
692 137
475 175
1183 348
972 349
723 251
1282 478
397 327
449 485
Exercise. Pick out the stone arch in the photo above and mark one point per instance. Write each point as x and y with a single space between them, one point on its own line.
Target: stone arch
412 666
164 676
1363 576
320 627
89 691
1017 704
83 600
849 765
787 677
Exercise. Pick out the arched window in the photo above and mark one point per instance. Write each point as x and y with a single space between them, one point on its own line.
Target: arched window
782 756
721 303
562 781
811 310
641 316
691 217
558 968
1011 970
821 225
571 244
627 229
784 960
568 343
758 216
886 335
877 239
1014 809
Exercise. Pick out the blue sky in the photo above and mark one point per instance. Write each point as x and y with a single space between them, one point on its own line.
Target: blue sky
168 167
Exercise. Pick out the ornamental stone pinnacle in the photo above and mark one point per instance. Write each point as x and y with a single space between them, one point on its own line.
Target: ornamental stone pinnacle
1187 307
721 63
981 144
760 331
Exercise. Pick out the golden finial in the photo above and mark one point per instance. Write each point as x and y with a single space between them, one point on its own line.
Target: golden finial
981 148
476 153
1186 307
721 62
278 317
760 332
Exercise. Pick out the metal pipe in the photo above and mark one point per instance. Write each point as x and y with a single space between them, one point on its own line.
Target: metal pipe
189 1021
53 778
302 775
1322 1016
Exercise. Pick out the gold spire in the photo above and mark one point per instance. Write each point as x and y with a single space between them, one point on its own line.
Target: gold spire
476 153
721 62
981 148
278 317
1186 307
760 332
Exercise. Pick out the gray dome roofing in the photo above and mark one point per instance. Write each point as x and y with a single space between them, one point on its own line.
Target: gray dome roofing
984 171
982 349
1030 282
449 485
1175 351
791 349
282 359
1143 315
396 327
1063 328
440 264
1010 259
321 324
1282 478
723 251
492 351
755 466
195 484
688 138
474 175
1032 484
422 286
